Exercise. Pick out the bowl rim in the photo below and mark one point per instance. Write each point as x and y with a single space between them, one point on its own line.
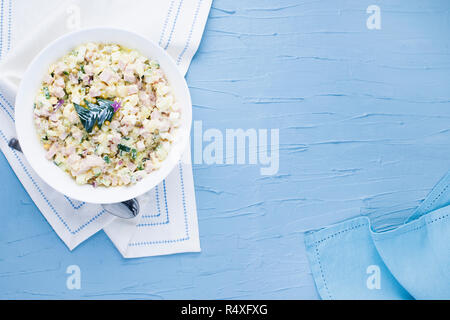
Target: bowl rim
87 193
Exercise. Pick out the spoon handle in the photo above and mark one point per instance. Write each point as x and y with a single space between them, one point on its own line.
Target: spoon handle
14 143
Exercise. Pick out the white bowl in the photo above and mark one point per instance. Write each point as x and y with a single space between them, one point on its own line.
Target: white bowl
34 151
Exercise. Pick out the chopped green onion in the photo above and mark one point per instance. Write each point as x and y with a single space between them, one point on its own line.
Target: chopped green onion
107 160
133 153
46 92
124 148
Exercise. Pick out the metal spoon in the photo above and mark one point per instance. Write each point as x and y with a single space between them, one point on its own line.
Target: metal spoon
126 210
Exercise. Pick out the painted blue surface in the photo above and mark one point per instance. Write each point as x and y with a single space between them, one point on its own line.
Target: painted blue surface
364 129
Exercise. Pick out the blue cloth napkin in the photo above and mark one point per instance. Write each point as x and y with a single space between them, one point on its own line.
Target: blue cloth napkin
350 260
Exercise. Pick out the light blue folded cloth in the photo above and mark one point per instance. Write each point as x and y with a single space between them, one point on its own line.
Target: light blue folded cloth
350 260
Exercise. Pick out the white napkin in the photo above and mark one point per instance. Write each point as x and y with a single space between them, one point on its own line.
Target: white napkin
168 220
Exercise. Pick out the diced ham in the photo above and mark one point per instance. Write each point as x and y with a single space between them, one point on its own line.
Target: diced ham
76 99
130 69
94 92
144 132
125 179
114 124
73 158
57 91
152 96
60 83
131 166
124 130
122 64
55 116
89 162
73 78
133 110
63 135
148 166
108 76
45 112
48 79
155 114
86 78
129 77
89 69
139 68
165 126
93 161
60 67
77 134
128 120
132 89
51 153
70 151
144 98
115 140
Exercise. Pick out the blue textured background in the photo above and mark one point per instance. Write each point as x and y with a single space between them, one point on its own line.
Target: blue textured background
364 129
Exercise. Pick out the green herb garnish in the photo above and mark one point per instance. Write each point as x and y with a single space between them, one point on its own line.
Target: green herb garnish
123 148
82 68
46 92
66 73
87 117
133 153
107 160
95 113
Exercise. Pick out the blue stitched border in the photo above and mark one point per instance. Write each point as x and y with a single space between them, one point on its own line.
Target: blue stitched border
167 212
174 25
1 28
7 112
158 206
61 219
9 25
7 102
187 236
180 56
169 12
76 207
